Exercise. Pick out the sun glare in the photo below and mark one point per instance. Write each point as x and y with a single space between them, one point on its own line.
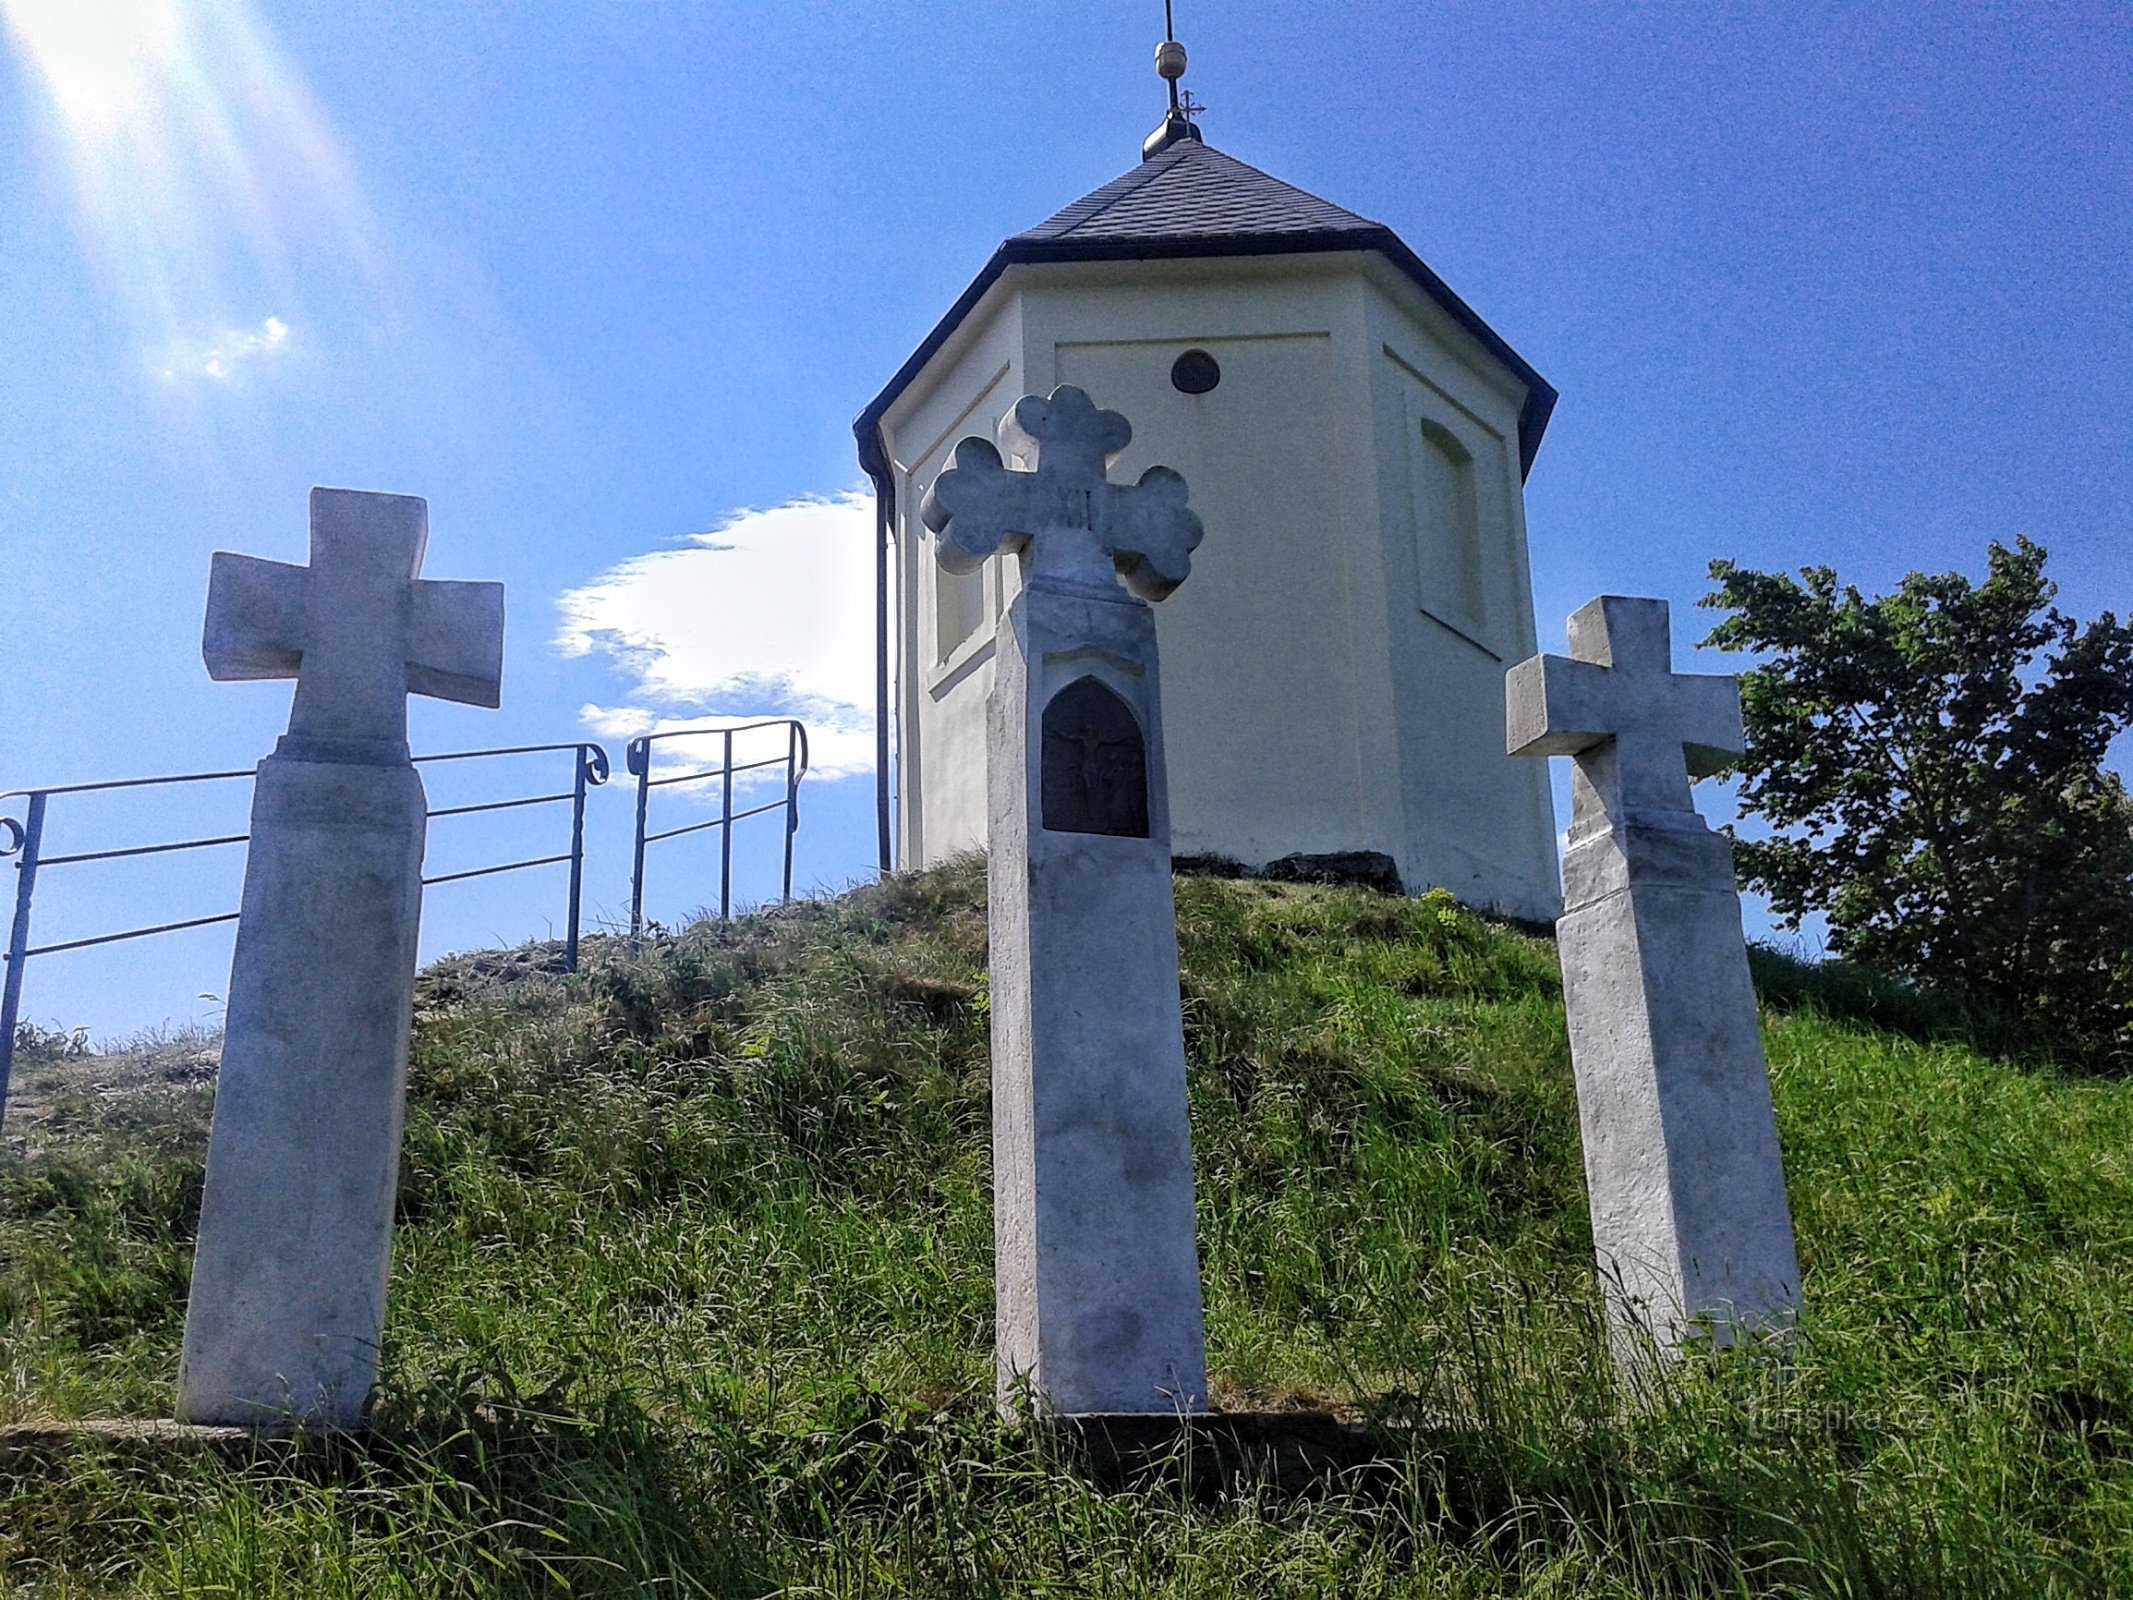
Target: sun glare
102 60
204 173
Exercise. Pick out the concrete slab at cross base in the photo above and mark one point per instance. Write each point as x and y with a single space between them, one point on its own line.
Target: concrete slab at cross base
53 1446
1213 1455
288 1288
1689 1214
1097 1276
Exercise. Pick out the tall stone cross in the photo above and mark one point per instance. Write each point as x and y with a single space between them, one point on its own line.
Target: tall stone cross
1097 1276
288 1288
1641 730
1689 1216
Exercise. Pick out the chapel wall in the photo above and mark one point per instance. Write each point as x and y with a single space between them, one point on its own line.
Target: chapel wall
1266 711
945 644
1459 607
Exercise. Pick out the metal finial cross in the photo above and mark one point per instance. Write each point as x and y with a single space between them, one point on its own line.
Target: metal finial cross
1070 524
1640 730
357 629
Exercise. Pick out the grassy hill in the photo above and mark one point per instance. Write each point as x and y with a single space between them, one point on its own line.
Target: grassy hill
691 1296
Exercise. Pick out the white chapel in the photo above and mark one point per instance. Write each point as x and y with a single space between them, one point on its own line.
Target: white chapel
1356 440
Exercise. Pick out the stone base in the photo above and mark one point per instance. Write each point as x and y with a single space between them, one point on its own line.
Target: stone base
1291 1452
1096 1275
288 1287
1689 1214
29 1447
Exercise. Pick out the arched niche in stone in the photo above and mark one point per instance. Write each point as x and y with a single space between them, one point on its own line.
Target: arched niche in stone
1095 763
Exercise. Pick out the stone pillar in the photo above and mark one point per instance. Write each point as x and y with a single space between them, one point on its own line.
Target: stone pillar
1689 1214
288 1290
1097 1276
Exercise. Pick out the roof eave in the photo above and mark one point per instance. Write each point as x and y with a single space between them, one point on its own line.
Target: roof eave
1023 250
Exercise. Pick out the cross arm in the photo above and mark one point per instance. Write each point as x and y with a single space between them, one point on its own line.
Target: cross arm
1152 533
1708 711
255 618
456 646
973 504
1554 706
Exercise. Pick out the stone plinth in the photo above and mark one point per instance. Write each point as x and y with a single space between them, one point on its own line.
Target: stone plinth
1689 1215
1097 1276
288 1289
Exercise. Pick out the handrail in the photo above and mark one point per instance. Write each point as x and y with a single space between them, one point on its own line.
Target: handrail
590 770
126 783
25 838
637 758
596 753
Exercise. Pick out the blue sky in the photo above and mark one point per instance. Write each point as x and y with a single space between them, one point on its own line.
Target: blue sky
1818 283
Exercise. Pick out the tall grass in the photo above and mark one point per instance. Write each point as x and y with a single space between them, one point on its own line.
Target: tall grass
691 1296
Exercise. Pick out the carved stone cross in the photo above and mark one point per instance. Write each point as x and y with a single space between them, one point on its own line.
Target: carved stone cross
1066 519
357 629
1096 1270
303 1160
1687 1190
1639 729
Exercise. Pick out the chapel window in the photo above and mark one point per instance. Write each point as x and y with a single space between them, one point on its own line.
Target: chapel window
1448 524
959 606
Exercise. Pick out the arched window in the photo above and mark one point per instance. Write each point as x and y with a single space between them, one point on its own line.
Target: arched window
958 606
1448 525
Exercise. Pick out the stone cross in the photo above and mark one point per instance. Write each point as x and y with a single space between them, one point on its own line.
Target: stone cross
1640 729
356 629
1067 520
1097 1276
288 1287
1689 1214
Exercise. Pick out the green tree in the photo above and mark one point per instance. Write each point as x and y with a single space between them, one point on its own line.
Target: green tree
1932 764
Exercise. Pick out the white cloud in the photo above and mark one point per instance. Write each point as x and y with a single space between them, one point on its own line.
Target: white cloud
220 359
769 614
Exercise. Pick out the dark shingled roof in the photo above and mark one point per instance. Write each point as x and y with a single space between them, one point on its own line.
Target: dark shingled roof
1186 200
1194 191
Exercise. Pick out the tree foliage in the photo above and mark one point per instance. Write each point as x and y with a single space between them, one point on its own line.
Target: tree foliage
1933 764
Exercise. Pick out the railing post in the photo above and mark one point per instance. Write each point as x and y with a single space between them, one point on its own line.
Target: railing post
792 799
637 756
30 841
725 838
582 759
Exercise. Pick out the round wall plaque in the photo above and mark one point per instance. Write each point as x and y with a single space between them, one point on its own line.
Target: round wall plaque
1195 372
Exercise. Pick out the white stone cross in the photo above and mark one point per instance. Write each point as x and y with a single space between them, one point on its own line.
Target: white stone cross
1687 1190
1096 1287
357 628
1640 730
295 1240
1067 520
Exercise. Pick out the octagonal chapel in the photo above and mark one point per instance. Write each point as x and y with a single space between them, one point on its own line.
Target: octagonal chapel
1356 440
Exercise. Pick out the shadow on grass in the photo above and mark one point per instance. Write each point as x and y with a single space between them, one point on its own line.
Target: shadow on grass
1854 995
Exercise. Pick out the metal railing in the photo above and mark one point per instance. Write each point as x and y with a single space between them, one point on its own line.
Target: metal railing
24 838
589 770
638 757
